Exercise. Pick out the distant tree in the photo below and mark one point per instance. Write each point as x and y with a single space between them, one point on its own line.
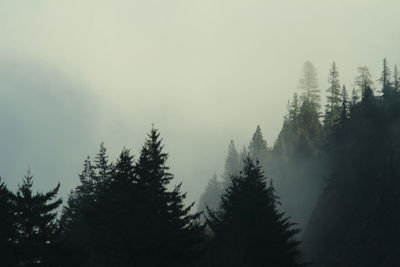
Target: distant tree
294 111
364 82
309 85
344 109
8 232
387 89
232 162
36 224
396 79
354 99
258 147
243 154
211 195
311 131
248 229
332 107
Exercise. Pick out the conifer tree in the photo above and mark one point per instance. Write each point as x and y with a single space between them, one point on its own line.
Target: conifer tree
309 85
396 79
258 146
354 99
364 82
232 162
8 232
35 221
171 234
102 165
332 111
211 195
294 111
115 218
344 109
75 230
248 229
385 80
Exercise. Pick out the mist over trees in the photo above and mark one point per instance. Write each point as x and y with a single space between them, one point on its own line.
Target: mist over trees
324 193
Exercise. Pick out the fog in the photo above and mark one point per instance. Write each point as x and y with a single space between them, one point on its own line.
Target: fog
75 73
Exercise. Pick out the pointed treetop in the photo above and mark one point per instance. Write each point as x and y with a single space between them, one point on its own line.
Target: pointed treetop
258 145
309 85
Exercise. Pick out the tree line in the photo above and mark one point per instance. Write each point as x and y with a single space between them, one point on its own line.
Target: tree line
335 171
127 213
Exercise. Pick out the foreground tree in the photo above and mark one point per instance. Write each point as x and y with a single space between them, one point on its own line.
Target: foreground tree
7 229
170 234
36 225
248 229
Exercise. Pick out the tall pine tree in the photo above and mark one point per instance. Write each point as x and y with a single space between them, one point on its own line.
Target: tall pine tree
309 85
332 111
36 224
248 229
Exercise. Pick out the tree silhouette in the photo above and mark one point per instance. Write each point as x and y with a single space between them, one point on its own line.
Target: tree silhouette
248 229
36 225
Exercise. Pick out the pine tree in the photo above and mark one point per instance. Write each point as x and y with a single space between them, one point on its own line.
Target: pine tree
115 217
232 163
364 82
294 111
36 224
309 85
332 111
258 146
7 230
385 80
248 229
396 80
171 234
344 109
102 165
354 99
211 195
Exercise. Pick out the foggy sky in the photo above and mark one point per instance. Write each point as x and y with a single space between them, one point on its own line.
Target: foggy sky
75 73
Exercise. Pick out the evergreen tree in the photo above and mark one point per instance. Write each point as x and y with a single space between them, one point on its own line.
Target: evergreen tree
232 163
102 166
115 218
309 85
75 230
364 82
354 99
332 111
294 111
385 80
171 234
396 80
211 195
7 230
344 109
248 229
258 146
36 224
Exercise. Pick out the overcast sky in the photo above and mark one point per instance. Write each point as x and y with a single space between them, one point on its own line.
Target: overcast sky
75 73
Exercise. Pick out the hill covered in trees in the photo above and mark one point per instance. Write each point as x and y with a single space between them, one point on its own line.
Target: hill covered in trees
324 194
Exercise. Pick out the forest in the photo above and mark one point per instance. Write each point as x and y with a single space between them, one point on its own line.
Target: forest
324 193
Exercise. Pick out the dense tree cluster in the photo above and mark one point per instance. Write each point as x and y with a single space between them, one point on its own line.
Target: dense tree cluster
337 172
